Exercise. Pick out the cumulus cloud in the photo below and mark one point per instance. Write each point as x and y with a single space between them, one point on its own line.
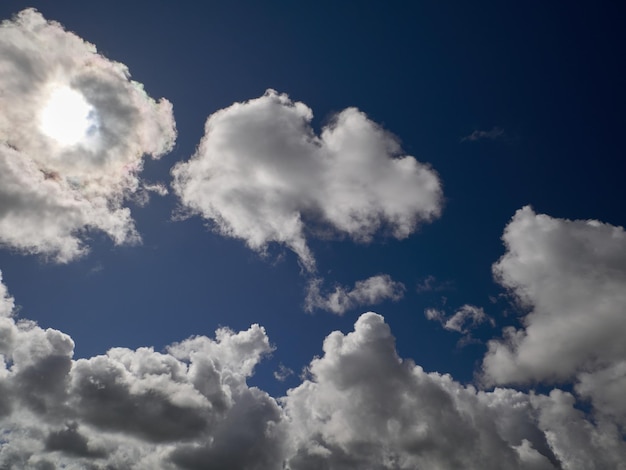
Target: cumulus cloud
262 175
74 129
365 407
605 388
570 276
577 441
493 134
190 407
370 291
184 408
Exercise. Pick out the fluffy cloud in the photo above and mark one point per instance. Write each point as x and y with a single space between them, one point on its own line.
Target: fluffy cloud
364 407
73 132
571 277
261 174
370 291
7 303
579 443
190 407
182 409
605 388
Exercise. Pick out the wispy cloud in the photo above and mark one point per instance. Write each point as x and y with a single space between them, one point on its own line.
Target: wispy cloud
464 320
431 284
283 372
493 134
368 292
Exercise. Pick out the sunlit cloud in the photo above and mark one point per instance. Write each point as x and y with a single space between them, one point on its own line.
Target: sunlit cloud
73 133
67 117
262 175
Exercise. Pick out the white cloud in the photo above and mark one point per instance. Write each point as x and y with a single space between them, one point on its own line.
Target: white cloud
571 276
370 291
142 196
364 407
7 303
579 443
58 181
463 321
606 387
467 318
261 174
190 407
282 373
435 315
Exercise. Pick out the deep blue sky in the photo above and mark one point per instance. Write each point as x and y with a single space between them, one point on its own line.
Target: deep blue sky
550 75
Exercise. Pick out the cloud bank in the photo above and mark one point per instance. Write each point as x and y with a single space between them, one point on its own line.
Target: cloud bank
190 407
73 132
184 408
262 175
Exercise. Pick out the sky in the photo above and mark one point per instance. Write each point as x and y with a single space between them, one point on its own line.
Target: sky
330 235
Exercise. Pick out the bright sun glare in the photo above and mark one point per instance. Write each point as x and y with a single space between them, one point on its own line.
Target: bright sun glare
67 117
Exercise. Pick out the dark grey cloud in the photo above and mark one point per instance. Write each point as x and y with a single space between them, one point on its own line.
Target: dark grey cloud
251 437
186 408
71 441
104 396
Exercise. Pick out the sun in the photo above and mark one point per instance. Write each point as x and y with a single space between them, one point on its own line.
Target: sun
67 117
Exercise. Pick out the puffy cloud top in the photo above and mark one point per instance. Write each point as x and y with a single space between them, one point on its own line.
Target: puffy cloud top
185 408
190 407
365 407
73 131
262 175
571 276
